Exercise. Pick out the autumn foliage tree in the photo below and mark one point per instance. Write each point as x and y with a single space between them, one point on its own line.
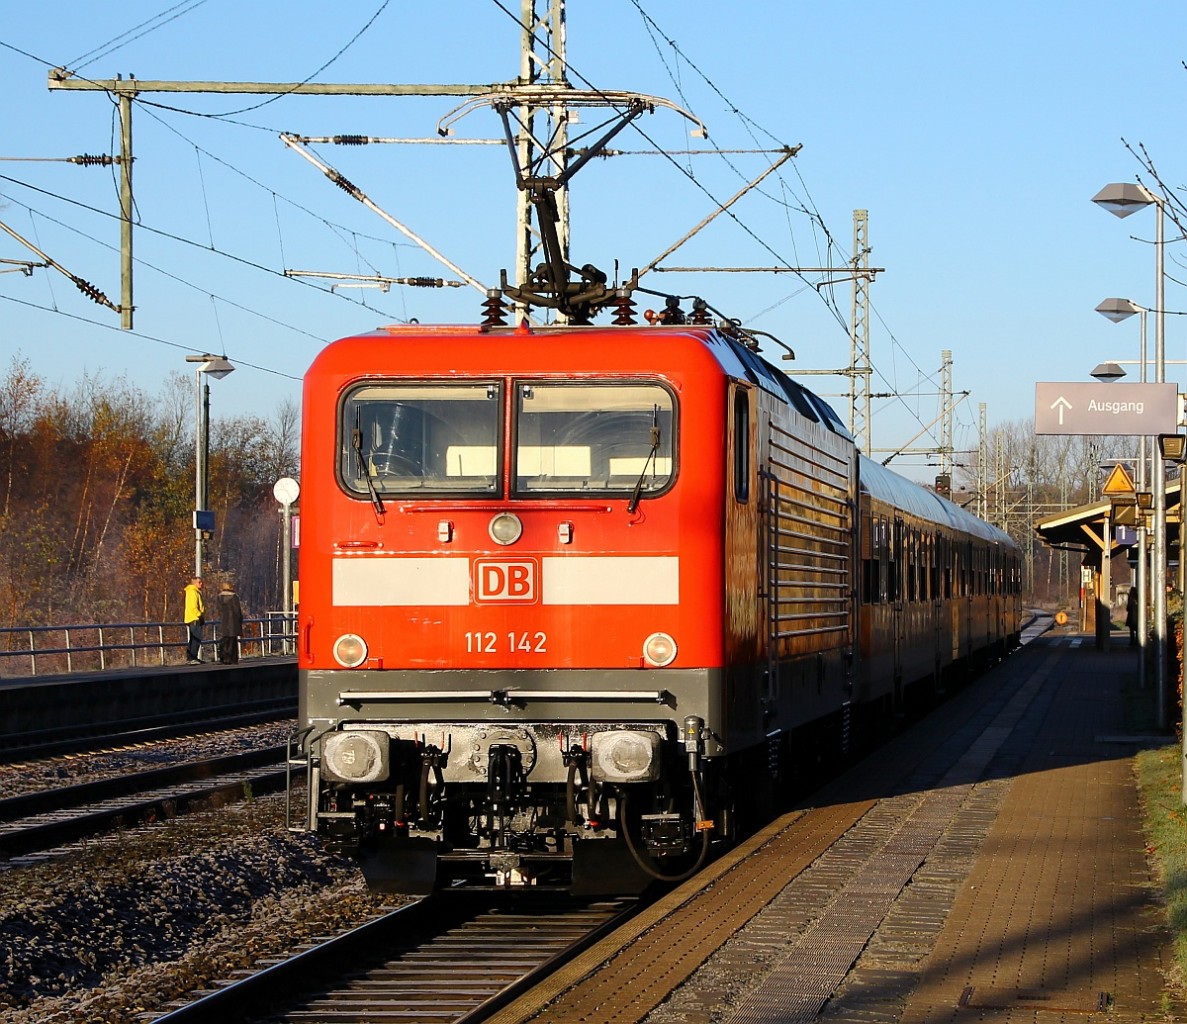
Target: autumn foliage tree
96 498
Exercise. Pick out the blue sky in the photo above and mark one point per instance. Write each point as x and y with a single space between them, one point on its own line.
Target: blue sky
974 134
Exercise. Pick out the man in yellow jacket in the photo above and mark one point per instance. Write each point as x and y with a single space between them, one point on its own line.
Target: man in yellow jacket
195 616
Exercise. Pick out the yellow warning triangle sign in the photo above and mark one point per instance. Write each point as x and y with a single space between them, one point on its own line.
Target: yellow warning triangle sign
1119 482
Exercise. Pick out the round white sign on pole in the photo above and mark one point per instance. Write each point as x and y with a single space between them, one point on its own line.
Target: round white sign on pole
286 490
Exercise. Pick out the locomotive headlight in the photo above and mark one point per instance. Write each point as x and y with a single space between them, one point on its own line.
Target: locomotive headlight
355 756
505 528
350 650
659 650
624 756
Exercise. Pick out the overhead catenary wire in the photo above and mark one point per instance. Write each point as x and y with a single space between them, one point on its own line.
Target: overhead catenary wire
746 228
132 34
143 105
165 273
239 360
309 78
676 71
151 229
638 128
334 227
815 217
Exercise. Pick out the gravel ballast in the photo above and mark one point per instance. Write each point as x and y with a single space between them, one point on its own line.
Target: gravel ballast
127 923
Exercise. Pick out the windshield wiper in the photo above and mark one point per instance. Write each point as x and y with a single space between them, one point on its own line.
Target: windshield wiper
356 442
637 492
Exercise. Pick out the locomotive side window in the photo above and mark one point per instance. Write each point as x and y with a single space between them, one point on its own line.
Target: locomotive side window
741 445
420 438
594 438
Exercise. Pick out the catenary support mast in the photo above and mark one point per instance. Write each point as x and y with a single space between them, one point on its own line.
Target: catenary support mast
859 338
542 63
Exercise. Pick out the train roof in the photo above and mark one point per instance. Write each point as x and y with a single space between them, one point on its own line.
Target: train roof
743 362
880 482
731 354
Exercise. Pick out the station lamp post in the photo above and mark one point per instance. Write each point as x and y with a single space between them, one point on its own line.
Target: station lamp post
1122 199
216 367
1118 310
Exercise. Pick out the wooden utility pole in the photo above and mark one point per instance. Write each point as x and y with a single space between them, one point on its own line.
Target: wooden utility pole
125 90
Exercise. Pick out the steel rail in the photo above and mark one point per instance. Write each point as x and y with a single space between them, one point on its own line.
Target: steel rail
39 821
457 959
30 745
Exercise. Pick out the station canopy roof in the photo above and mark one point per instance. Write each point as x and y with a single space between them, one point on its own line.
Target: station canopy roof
1074 526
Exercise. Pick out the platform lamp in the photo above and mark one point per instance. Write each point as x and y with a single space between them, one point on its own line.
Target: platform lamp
1121 199
1116 310
1174 449
216 367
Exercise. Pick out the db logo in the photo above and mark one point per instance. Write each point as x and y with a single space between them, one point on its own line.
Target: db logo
504 581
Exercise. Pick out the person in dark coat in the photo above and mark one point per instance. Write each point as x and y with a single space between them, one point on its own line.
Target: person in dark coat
1131 616
230 624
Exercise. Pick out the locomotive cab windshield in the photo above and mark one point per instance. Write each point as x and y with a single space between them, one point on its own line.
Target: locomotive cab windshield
593 438
605 438
421 438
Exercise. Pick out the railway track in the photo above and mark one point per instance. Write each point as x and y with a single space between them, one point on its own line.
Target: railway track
30 745
445 959
39 821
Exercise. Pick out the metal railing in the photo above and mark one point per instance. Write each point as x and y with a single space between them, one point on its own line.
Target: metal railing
33 650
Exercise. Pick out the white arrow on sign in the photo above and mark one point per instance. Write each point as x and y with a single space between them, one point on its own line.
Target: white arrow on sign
1061 403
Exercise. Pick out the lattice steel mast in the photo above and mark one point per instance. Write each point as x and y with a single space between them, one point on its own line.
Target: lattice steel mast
542 63
859 338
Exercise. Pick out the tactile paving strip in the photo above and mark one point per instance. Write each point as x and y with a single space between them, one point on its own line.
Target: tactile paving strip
626 975
1058 918
795 991
908 829
917 953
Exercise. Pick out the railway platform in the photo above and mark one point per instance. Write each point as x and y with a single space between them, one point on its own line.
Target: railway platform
987 864
36 709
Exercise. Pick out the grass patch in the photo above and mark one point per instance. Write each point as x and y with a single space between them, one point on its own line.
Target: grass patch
1159 773
1160 784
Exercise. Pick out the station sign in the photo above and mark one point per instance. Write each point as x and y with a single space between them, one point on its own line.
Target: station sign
1078 407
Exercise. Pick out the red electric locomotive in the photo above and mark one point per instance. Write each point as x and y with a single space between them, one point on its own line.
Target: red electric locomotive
573 599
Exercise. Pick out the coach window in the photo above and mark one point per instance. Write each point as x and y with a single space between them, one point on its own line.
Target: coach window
868 572
927 584
594 438
949 557
912 565
933 566
420 439
880 552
